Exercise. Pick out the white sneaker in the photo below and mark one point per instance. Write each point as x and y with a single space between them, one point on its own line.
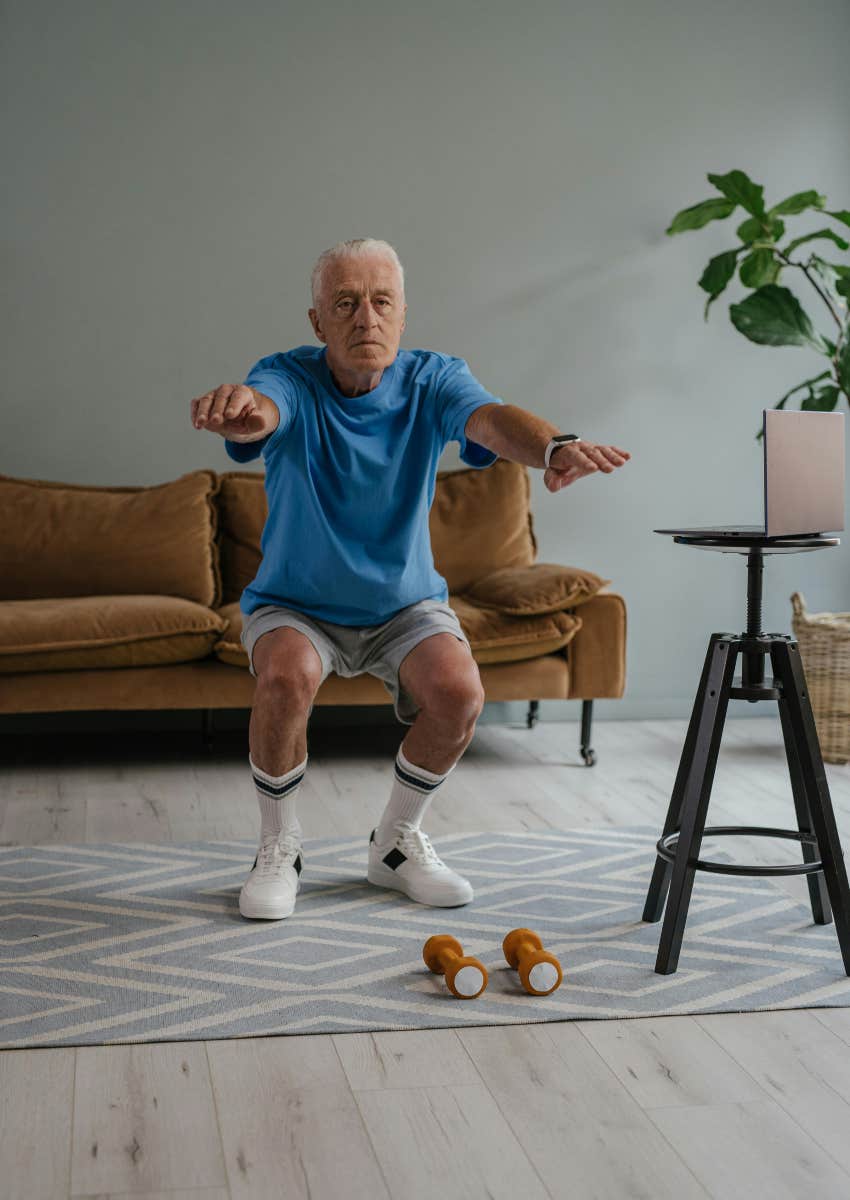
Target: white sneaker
410 864
274 880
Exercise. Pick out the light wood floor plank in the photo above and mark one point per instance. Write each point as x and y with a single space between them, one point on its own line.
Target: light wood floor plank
178 1194
144 1120
739 1151
36 1106
452 1142
289 1122
800 1064
578 1125
408 1059
669 1060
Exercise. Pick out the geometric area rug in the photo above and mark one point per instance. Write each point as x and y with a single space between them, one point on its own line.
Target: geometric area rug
143 942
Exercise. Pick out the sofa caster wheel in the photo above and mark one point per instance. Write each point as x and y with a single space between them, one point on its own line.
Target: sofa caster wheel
587 754
531 719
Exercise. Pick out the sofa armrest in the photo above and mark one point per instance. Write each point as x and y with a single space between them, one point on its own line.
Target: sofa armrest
597 653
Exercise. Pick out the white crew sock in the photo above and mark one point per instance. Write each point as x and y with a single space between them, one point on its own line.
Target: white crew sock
412 790
277 795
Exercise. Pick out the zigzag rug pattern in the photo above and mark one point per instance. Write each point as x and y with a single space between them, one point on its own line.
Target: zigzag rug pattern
114 943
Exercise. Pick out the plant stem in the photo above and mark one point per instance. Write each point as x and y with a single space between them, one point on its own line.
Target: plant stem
822 295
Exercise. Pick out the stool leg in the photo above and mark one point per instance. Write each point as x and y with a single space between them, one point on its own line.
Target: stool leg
711 705
660 882
818 894
789 670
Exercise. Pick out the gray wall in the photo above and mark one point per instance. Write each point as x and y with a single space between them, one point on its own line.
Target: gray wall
173 170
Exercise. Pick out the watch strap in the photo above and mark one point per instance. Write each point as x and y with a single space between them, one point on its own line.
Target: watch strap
557 441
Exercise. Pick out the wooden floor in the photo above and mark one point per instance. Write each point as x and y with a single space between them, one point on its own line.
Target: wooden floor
729 1105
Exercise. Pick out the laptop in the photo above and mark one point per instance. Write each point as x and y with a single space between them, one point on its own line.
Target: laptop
803 478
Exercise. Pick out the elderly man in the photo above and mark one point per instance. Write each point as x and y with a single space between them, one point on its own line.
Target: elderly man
351 434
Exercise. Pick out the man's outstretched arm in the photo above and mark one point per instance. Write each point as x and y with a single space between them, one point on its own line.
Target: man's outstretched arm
522 437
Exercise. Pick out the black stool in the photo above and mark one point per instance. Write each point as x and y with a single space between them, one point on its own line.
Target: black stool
679 845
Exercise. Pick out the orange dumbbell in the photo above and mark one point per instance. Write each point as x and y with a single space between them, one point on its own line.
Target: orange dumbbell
466 978
539 971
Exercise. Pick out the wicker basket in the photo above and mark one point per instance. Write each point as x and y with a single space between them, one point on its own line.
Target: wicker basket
824 641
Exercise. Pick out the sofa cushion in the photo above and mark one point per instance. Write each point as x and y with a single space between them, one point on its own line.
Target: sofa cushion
538 588
496 637
104 631
67 539
493 636
243 509
479 521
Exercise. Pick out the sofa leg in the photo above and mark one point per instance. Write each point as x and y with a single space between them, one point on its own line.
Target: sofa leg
587 754
207 727
531 719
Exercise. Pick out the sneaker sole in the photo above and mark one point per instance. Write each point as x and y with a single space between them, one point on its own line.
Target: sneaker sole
269 912
386 878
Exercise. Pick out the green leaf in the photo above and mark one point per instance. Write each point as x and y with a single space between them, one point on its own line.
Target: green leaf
821 233
750 230
739 187
798 202
842 284
772 316
823 400
841 215
718 272
827 275
759 268
700 214
754 229
796 388
777 228
843 363
806 383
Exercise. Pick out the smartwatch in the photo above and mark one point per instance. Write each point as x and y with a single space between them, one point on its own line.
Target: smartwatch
558 440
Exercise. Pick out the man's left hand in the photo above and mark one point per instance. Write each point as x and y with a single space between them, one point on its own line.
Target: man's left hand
574 460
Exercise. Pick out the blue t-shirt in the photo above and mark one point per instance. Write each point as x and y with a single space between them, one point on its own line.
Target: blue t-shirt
350 482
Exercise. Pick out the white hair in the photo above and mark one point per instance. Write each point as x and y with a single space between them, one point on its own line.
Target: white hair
353 248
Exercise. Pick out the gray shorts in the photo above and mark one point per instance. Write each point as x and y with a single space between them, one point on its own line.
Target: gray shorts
357 649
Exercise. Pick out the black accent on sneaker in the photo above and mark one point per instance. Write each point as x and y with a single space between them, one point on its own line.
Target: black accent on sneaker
372 838
255 862
297 864
395 858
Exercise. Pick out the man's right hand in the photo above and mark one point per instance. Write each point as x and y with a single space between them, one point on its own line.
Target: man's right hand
237 412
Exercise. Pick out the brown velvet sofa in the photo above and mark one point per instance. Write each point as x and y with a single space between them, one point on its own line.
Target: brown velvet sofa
128 597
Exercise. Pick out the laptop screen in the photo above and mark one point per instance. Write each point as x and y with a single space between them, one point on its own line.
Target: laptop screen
803 472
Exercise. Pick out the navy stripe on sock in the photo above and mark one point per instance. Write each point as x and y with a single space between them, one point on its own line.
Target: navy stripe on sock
415 781
269 789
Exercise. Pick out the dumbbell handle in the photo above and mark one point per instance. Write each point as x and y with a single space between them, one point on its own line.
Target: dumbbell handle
524 948
445 957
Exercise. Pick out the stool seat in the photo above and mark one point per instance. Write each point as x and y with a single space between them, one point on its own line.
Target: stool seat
677 851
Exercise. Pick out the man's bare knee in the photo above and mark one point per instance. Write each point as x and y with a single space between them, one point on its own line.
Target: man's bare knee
287 663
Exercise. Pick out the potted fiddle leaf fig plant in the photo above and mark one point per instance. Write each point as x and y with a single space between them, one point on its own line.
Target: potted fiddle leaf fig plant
772 315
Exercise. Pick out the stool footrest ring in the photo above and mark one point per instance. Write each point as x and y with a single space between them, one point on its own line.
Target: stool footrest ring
667 846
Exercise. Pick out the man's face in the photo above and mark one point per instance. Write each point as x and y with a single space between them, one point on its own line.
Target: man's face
361 313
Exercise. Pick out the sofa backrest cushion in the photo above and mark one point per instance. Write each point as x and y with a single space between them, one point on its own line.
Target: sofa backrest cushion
479 521
242 511
68 539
